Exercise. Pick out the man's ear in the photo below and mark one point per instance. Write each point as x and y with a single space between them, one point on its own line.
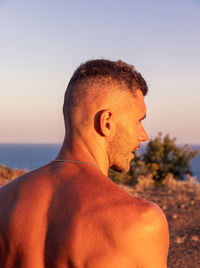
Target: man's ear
104 122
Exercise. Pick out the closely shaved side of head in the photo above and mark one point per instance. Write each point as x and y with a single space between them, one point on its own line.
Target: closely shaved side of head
93 83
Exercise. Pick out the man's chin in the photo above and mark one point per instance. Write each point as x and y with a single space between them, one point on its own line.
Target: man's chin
122 170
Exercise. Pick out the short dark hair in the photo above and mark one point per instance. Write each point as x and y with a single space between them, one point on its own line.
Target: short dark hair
118 71
99 73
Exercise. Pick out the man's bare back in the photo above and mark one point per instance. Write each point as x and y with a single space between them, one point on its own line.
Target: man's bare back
96 222
70 214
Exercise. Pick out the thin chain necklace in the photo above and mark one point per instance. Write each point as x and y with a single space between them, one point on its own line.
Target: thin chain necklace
75 161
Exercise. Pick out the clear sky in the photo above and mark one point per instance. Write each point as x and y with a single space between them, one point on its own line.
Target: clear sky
43 41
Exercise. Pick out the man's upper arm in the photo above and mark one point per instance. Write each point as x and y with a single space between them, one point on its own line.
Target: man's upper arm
151 239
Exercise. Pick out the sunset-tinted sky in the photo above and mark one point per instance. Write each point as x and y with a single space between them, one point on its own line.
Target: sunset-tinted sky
42 42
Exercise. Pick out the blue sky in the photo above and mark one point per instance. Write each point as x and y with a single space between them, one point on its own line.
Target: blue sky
42 42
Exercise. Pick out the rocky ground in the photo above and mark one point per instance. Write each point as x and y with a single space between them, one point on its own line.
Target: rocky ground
181 204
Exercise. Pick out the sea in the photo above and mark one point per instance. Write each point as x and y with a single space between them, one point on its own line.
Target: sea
31 156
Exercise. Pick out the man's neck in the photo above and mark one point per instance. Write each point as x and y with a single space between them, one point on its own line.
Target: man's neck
84 152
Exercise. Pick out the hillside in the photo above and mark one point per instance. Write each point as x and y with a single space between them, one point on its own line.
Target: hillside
7 174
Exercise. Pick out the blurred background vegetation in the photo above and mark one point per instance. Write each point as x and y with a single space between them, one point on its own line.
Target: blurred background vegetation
7 174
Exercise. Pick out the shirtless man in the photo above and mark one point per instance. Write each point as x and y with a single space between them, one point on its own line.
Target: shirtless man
69 213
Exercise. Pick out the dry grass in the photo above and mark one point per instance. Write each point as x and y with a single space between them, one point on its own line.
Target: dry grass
7 174
190 184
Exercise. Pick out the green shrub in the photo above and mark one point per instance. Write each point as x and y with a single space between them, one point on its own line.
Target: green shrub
163 157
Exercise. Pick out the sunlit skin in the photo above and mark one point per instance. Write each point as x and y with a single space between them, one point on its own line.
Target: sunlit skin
129 133
66 215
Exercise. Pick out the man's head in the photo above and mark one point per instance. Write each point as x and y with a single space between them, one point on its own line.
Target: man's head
104 100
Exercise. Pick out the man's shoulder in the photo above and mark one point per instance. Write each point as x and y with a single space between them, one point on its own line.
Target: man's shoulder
126 212
150 233
151 219
133 224
140 224
137 214
26 189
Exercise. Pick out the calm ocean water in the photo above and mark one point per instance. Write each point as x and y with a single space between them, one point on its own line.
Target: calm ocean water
31 156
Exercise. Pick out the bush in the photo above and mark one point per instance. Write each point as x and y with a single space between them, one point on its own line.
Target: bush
163 157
